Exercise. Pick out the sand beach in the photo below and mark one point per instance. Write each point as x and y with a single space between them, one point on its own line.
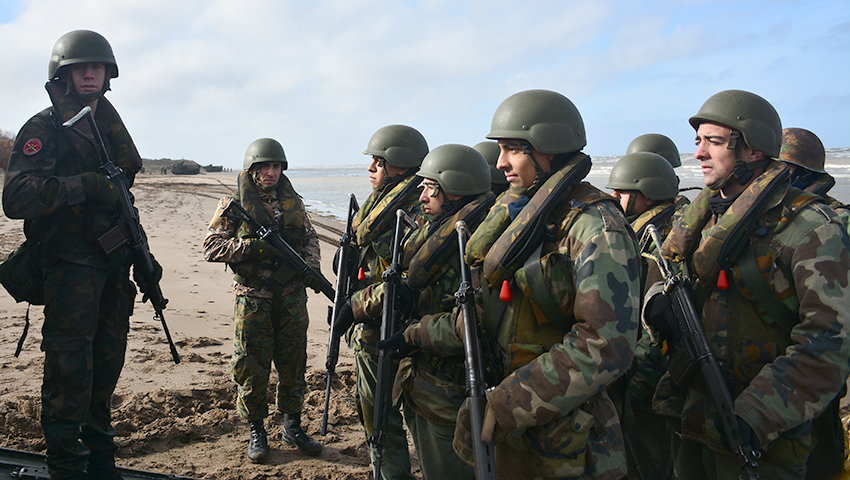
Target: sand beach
181 419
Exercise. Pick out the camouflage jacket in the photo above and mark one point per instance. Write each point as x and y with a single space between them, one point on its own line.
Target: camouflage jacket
43 184
433 376
589 261
781 379
224 244
373 229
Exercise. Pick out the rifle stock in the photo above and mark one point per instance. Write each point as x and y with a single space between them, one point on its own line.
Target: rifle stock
699 354
128 222
271 235
389 323
344 284
482 453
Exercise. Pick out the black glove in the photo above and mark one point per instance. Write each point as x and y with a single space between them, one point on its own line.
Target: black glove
313 282
142 283
659 315
405 301
396 346
344 319
748 436
263 251
97 188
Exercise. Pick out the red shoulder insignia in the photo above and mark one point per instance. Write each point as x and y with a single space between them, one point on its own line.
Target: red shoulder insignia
32 146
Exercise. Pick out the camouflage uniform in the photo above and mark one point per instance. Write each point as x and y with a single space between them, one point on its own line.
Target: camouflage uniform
88 295
781 376
374 238
432 377
552 403
648 436
271 319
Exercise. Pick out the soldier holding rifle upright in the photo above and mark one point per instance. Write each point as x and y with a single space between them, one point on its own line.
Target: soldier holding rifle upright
271 302
769 274
53 182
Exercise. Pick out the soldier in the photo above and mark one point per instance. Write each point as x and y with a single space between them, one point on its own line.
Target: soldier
271 318
769 271
648 190
397 152
456 186
803 151
559 275
490 150
53 183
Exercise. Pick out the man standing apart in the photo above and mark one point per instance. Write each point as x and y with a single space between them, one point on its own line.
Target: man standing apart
560 278
54 184
271 317
769 266
397 152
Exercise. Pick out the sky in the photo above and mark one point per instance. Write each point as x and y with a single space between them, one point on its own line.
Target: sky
202 79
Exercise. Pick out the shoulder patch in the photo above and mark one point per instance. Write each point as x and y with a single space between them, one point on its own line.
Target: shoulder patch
32 146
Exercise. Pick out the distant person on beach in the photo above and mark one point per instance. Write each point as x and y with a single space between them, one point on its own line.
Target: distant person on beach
396 153
558 269
803 151
455 186
53 182
769 278
271 318
490 151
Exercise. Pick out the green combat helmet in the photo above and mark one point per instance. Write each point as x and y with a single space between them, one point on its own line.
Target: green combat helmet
491 152
265 150
750 116
646 172
81 46
747 113
656 143
803 148
401 146
547 120
460 170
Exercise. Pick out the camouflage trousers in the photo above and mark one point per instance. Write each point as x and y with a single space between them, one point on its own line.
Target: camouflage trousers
395 452
86 320
695 461
269 331
433 442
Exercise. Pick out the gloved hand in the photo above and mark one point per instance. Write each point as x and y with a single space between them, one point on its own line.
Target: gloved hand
405 301
143 285
344 319
396 345
658 314
313 282
97 188
748 436
263 251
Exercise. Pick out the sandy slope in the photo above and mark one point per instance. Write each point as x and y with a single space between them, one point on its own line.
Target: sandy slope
181 419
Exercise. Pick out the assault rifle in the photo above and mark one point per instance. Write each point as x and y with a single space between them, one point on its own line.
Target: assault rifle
482 453
700 358
297 266
344 286
129 228
389 324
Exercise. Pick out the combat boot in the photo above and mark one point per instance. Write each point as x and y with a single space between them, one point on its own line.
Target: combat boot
102 466
293 434
258 445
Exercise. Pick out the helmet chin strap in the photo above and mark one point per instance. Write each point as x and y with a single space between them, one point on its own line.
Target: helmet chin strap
630 207
539 174
743 171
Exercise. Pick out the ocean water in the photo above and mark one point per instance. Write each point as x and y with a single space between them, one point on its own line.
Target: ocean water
325 189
